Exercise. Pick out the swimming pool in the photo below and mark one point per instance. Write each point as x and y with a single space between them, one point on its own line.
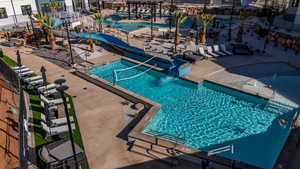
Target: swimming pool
114 19
208 116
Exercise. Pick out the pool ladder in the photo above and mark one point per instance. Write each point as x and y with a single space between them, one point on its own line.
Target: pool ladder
169 137
221 150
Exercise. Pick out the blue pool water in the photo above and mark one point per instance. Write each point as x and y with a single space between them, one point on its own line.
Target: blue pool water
137 25
208 116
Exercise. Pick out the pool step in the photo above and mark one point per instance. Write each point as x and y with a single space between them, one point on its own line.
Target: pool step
278 108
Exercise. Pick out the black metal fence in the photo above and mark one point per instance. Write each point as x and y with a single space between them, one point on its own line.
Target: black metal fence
12 78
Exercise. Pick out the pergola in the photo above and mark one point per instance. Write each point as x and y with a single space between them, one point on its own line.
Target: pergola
151 3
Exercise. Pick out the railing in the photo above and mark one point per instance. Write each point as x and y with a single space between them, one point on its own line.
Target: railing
169 137
221 150
12 78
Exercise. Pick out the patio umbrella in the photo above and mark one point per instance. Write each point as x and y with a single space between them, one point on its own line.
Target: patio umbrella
43 70
19 62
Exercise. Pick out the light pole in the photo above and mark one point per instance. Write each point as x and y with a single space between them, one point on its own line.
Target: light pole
62 89
230 24
152 20
270 18
67 24
29 13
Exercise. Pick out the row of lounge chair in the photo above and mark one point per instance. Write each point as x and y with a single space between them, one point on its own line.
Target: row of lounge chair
144 11
50 123
198 53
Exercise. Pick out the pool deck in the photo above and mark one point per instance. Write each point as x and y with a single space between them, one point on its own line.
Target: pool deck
101 114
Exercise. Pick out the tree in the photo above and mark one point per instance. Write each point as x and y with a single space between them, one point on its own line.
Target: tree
205 19
244 15
55 6
179 19
48 24
99 19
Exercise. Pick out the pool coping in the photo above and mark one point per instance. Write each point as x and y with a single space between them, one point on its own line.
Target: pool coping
153 107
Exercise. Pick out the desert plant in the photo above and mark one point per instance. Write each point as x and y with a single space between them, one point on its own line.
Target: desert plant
179 19
205 19
244 15
55 6
48 24
99 19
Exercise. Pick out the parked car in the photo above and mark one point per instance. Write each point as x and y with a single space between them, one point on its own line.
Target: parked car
241 49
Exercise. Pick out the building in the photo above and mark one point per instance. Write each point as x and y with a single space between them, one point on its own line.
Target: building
14 12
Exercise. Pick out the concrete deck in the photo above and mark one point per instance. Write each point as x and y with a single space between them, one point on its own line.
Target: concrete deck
101 114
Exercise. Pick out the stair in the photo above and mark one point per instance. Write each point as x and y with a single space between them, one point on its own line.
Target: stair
278 108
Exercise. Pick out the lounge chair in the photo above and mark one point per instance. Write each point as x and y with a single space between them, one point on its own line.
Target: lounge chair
223 48
143 10
51 102
51 131
125 9
166 13
22 70
28 73
203 53
48 87
36 82
218 51
139 10
27 80
121 9
49 92
57 122
51 108
211 52
147 11
191 56
157 11
18 67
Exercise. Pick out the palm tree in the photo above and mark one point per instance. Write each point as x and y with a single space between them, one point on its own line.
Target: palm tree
55 7
205 19
48 24
244 15
179 19
99 18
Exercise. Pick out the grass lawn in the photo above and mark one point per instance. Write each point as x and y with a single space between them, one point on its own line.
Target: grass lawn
37 110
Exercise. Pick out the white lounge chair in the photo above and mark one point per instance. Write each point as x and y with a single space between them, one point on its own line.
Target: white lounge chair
166 13
218 51
51 131
139 10
223 48
143 10
203 53
211 52
147 11
157 11
18 67
51 108
22 70
34 78
28 73
125 9
49 92
36 82
48 87
51 102
57 122
121 9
